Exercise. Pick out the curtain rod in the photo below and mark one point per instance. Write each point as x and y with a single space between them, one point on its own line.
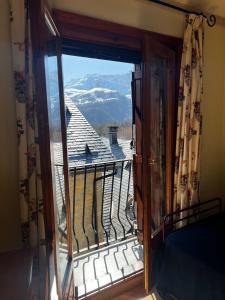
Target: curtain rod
211 19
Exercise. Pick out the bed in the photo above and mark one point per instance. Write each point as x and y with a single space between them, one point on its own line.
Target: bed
191 264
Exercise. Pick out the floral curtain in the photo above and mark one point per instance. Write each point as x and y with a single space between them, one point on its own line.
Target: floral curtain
186 180
30 187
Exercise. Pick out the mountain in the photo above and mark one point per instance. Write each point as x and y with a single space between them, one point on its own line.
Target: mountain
120 82
102 99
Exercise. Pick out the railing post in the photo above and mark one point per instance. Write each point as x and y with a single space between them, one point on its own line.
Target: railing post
94 211
74 207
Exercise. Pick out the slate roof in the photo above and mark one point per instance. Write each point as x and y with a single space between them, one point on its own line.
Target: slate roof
121 150
84 144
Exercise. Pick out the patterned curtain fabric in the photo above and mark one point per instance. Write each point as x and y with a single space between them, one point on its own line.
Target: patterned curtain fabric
186 180
30 187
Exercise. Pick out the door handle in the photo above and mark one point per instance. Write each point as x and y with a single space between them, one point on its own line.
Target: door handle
151 162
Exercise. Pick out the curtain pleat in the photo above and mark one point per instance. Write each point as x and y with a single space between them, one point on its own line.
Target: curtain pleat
186 179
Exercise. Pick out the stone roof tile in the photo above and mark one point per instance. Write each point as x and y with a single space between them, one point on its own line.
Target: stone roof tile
79 134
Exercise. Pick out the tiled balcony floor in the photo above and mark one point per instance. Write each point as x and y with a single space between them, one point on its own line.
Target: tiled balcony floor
102 267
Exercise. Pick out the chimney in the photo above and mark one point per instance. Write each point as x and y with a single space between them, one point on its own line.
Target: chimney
113 135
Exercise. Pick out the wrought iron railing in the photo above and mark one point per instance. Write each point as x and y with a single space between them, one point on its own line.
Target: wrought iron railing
102 203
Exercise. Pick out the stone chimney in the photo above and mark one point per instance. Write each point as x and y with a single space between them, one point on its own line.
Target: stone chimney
113 135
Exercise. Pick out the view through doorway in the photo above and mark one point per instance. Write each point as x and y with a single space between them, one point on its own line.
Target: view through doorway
101 145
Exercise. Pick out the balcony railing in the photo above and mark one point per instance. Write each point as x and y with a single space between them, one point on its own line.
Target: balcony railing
102 204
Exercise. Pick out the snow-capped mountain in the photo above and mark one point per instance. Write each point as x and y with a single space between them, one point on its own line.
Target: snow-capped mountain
120 82
102 98
82 97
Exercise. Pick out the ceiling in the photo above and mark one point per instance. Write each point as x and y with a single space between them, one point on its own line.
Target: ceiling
216 7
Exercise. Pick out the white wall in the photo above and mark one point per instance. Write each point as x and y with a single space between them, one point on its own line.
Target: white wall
223 141
145 15
136 13
9 206
213 141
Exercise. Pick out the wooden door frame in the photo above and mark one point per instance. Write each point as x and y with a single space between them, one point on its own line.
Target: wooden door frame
77 28
41 18
83 29
37 33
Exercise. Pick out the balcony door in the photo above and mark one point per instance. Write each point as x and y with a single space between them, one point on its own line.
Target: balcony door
53 152
153 98
153 87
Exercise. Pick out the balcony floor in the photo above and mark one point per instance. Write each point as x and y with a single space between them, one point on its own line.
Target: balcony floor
102 267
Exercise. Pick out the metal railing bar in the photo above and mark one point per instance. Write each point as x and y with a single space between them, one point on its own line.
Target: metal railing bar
111 202
74 202
85 251
193 207
94 210
106 176
128 192
102 206
91 165
195 214
84 204
93 202
109 162
167 223
119 199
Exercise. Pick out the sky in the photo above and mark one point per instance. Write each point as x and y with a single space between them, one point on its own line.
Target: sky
76 67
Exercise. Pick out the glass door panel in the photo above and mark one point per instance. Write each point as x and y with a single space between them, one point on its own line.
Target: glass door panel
158 143
57 160
158 99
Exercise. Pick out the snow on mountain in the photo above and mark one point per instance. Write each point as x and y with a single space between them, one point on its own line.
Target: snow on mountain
120 82
81 97
102 98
